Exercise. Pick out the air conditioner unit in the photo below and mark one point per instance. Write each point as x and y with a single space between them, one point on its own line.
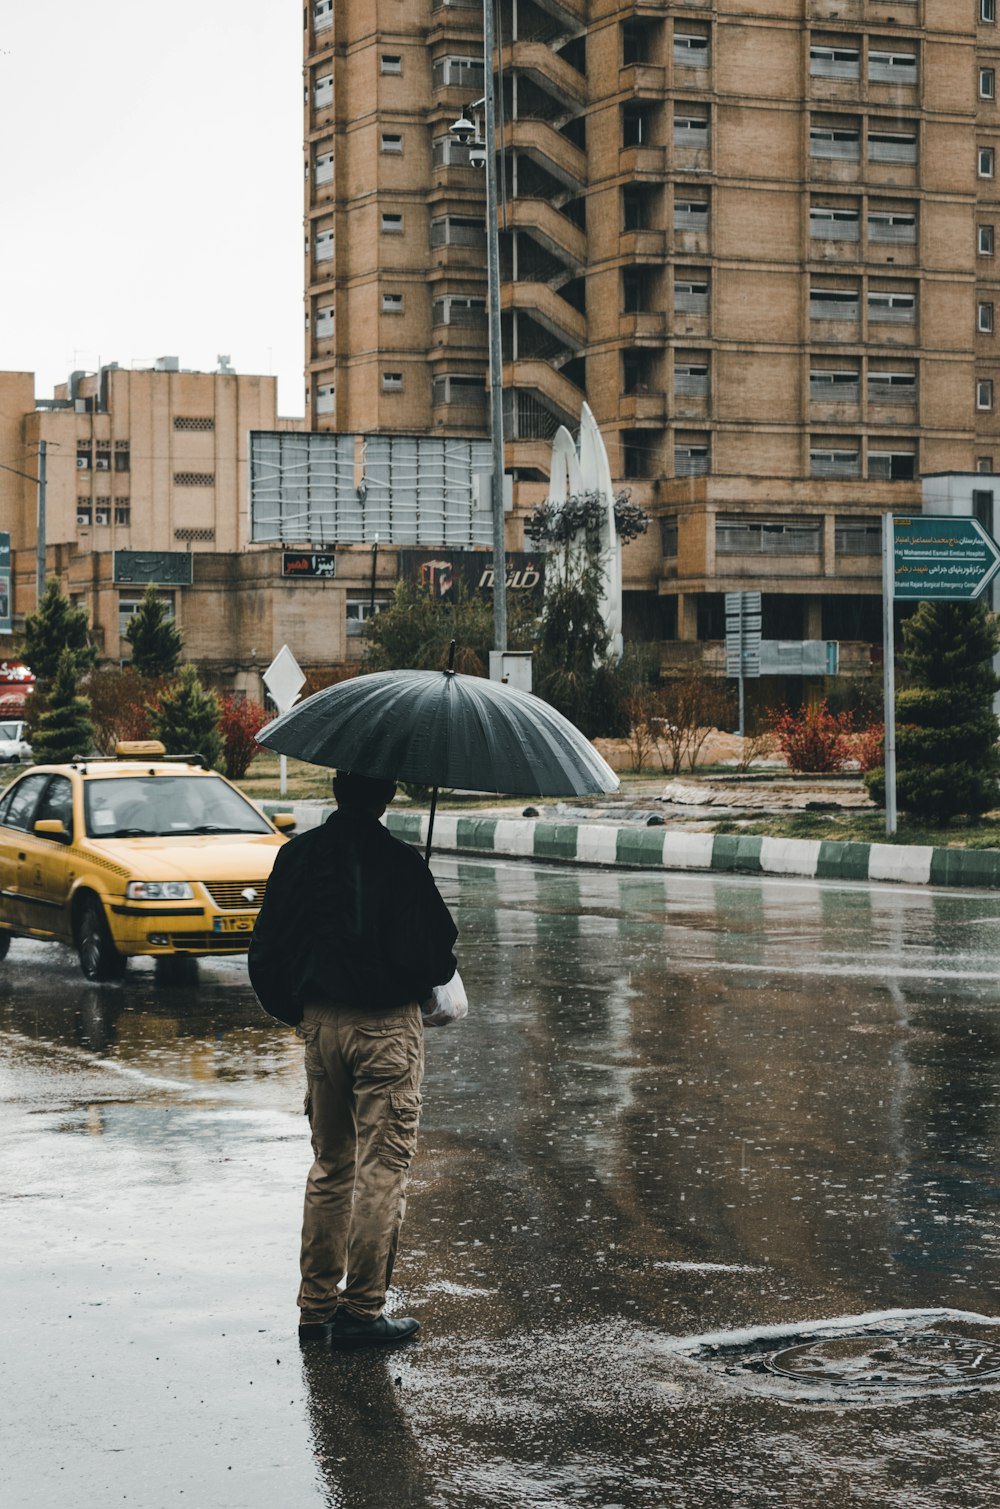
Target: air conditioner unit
83 518
83 463
103 464
102 517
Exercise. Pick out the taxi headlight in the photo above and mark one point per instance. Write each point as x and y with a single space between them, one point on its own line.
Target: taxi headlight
159 890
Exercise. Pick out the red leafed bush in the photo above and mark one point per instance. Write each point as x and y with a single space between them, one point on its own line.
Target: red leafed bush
239 725
814 739
868 747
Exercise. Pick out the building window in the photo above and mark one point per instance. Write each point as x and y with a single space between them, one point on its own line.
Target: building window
193 422
891 145
691 456
987 83
392 225
984 393
892 466
691 132
325 398
454 309
892 67
465 72
828 224
830 459
323 92
736 536
987 10
322 15
458 230
391 62
324 323
392 382
323 170
123 512
690 50
102 512
857 537
637 125
985 240
84 513
392 141
468 392
892 387
360 611
324 246
102 459
984 465
690 377
835 142
194 479
835 385
833 303
122 456
690 295
987 162
835 62
893 227
392 303
129 605
690 214
895 308
984 318
83 457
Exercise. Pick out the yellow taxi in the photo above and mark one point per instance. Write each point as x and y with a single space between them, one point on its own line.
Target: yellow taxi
140 853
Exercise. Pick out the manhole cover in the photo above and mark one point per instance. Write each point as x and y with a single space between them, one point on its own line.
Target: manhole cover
880 1358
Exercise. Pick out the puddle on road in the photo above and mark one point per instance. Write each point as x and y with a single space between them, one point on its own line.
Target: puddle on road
874 1360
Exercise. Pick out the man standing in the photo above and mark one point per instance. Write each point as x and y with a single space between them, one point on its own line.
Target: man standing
351 938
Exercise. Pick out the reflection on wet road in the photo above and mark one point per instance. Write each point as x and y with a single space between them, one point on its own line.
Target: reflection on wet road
706 1213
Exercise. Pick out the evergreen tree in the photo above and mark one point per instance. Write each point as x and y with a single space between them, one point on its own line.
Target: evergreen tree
56 626
573 670
947 760
186 719
155 638
64 729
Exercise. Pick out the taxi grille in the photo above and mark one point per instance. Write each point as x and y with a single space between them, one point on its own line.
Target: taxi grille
209 943
228 893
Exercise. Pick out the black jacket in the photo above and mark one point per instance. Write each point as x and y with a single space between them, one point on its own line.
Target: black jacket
350 915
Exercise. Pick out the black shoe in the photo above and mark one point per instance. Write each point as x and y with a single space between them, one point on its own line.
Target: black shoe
315 1330
351 1331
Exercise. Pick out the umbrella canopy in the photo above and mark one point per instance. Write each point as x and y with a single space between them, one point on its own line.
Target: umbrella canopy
439 728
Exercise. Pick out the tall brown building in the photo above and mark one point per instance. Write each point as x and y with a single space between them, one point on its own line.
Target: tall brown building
760 239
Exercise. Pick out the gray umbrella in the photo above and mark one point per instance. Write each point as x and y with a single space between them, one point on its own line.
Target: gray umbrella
439 728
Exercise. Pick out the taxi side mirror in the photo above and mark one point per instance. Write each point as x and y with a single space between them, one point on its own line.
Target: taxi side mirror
284 822
52 827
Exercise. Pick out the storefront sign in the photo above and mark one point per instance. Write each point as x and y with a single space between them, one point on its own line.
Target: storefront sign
312 563
441 572
163 568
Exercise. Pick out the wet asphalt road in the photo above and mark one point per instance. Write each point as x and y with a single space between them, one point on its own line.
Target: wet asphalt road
681 1106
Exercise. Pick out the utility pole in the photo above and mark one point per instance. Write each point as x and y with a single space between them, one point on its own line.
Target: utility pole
496 355
40 529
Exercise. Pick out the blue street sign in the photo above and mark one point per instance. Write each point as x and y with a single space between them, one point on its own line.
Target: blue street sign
939 559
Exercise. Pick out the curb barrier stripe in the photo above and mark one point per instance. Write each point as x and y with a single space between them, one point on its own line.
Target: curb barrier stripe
656 848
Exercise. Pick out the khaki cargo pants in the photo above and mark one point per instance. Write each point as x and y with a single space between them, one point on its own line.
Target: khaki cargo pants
363 1074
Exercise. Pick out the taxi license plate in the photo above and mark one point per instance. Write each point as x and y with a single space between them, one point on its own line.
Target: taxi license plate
241 924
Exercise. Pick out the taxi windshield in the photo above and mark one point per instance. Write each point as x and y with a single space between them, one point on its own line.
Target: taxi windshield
166 806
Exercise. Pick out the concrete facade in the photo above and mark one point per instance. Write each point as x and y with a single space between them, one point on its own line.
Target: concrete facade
759 240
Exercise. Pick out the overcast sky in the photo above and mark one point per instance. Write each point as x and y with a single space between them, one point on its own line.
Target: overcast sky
151 186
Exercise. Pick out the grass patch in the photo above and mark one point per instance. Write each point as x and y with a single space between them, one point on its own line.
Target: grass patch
869 828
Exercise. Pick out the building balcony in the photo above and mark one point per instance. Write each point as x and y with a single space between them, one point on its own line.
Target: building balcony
642 162
639 406
644 80
637 244
643 325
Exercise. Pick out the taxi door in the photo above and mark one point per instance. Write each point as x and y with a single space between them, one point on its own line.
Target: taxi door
45 868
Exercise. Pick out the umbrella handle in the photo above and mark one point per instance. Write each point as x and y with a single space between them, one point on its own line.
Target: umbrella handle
430 826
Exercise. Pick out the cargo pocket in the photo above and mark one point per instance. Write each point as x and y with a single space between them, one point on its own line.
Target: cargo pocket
398 1141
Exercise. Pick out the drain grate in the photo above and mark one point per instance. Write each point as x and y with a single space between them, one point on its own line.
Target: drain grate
879 1358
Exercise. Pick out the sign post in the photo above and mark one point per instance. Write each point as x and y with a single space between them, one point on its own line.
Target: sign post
927 558
743 630
284 679
6 607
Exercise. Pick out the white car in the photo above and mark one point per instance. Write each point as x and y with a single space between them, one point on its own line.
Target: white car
14 747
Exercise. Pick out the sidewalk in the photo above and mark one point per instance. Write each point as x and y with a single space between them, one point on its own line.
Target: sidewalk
669 848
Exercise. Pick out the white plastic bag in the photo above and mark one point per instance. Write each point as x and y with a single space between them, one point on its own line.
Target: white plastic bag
447 1003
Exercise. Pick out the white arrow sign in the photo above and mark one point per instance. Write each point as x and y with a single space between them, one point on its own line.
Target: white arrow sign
284 679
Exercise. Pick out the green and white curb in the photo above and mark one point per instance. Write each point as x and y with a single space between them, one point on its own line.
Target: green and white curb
672 849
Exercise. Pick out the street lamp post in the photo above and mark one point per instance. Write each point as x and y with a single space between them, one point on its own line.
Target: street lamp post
466 132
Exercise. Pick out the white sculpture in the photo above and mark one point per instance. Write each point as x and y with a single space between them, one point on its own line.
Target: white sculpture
589 471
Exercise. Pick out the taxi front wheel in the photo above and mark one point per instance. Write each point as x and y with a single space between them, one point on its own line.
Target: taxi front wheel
99 959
